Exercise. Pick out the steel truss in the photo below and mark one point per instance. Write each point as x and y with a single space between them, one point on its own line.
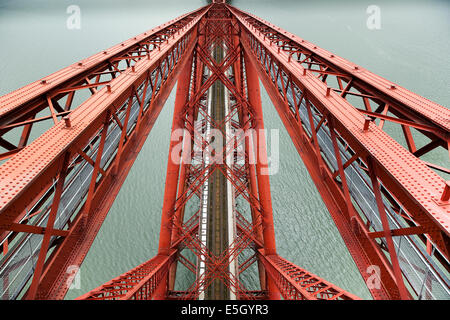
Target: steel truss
51 217
255 235
390 207
370 184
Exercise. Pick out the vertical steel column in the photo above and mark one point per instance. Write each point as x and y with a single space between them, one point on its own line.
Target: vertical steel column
195 67
173 167
184 171
250 159
254 195
254 98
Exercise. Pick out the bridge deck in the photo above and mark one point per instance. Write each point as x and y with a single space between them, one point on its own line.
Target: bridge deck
217 233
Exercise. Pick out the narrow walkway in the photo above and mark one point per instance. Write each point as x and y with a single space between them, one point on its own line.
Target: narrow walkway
217 203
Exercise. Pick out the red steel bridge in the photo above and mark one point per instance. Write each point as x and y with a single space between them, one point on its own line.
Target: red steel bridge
391 207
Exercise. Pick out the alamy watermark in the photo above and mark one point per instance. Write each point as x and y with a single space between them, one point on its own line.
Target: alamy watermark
374 280
373 21
212 146
74 279
73 21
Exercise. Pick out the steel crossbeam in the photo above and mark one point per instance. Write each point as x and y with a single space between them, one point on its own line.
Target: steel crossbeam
391 207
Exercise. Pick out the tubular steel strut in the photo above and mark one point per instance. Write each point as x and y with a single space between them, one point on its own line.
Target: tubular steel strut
391 208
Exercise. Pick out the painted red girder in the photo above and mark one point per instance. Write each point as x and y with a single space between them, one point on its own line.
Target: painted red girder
407 184
247 235
378 96
148 276
217 266
141 283
129 84
57 92
110 108
296 283
146 281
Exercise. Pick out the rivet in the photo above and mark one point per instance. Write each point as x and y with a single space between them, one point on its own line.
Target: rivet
366 123
67 121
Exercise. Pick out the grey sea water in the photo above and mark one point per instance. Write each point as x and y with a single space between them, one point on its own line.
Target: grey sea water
411 48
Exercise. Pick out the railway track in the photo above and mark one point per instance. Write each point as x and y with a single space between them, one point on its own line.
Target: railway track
217 202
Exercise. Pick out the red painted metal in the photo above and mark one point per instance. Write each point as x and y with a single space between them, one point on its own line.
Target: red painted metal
401 173
296 283
173 168
254 98
378 96
20 200
58 90
140 283
213 51
259 232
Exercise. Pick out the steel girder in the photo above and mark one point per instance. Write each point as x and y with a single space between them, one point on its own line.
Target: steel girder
189 179
296 283
371 94
377 192
64 215
391 209
54 97
141 283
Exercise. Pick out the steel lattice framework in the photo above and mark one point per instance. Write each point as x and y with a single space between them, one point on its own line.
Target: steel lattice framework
391 207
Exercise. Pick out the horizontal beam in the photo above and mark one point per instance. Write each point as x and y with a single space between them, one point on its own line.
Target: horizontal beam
399 232
399 121
19 227
296 283
141 283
